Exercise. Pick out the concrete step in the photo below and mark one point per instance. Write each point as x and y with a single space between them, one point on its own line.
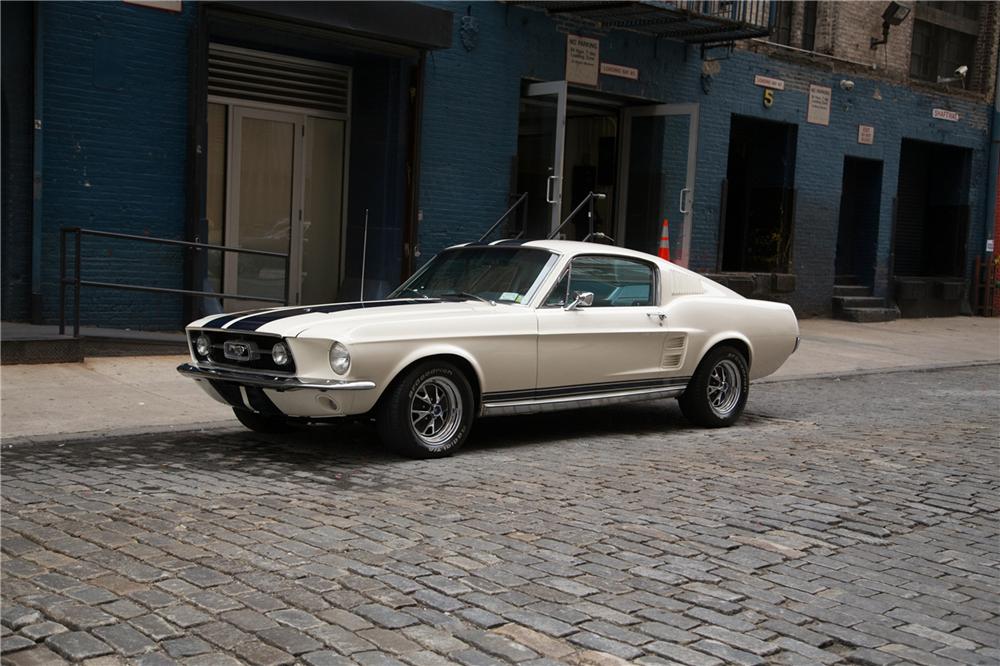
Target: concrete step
840 302
61 349
851 290
867 315
28 343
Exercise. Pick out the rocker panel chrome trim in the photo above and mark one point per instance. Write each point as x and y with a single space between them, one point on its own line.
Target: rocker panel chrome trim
273 381
578 401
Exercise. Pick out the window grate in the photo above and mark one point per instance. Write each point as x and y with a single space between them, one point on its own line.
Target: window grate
264 77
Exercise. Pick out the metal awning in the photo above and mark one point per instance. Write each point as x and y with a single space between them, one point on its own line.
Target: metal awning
697 22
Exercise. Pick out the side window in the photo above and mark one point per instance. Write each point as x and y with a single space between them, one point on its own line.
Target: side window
557 297
614 281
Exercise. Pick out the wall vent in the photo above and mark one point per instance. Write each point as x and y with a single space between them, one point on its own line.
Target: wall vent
236 73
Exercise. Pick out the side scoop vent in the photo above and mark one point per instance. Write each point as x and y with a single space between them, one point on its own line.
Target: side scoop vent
674 347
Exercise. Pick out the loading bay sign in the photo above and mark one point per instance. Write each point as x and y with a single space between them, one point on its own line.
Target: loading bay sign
768 82
620 71
866 134
582 58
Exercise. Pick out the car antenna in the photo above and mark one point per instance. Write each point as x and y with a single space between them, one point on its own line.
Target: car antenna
364 251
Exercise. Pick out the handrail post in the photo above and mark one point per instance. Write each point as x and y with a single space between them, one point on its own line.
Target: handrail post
62 281
590 214
76 287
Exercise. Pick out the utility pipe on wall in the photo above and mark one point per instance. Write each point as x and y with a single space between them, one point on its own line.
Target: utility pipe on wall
991 190
36 189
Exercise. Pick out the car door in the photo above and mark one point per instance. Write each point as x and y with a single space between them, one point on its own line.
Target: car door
617 341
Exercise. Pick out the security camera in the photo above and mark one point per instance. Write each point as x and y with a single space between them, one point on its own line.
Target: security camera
962 71
847 85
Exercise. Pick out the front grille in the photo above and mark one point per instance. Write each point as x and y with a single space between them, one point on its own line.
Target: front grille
259 346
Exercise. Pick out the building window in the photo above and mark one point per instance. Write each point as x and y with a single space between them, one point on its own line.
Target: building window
944 38
782 30
809 25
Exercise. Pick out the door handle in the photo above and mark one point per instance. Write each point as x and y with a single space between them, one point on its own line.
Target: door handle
659 317
682 204
550 191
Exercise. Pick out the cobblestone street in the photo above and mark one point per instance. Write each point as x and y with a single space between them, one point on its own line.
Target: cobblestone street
851 521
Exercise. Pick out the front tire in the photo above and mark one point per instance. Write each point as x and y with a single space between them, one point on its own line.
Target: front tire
718 392
260 423
427 413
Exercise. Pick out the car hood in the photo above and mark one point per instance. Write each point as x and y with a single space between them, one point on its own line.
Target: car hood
322 320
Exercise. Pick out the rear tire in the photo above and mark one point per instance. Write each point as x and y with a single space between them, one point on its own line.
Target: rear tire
718 392
427 413
260 423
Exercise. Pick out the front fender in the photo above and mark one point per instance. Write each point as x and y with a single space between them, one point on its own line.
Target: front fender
429 351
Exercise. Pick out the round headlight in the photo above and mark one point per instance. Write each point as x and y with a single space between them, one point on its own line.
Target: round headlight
202 345
340 358
279 354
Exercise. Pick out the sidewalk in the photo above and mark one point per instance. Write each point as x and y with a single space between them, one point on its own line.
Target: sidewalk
145 394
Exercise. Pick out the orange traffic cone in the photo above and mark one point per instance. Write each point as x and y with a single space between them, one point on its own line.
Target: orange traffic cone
665 240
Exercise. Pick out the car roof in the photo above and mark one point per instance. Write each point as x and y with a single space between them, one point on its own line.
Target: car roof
567 247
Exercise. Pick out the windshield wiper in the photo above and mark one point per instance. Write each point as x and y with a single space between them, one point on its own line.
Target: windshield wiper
466 296
418 293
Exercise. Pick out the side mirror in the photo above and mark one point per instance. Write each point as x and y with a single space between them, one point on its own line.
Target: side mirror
581 299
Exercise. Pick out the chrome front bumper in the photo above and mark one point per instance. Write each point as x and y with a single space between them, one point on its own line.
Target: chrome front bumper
277 382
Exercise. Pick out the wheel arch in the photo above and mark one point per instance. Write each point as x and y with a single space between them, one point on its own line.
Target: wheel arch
460 358
731 339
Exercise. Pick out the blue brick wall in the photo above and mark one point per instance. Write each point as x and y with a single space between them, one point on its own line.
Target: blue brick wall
115 123
470 134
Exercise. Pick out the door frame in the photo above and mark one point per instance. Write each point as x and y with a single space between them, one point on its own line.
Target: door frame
236 110
555 181
686 196
235 115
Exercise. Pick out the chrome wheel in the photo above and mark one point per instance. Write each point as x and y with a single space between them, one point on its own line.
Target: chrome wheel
725 385
436 411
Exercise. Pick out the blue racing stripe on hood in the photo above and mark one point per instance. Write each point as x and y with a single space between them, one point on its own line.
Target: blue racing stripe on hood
254 322
222 320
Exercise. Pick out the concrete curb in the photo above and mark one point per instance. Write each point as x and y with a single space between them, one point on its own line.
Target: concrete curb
230 425
931 367
90 435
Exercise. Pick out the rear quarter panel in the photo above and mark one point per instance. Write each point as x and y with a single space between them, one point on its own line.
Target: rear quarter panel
767 329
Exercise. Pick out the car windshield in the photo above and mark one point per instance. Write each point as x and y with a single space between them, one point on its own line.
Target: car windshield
501 274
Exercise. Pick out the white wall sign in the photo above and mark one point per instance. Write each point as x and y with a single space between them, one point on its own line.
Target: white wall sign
989 246
582 58
866 134
819 105
166 5
620 70
945 114
768 82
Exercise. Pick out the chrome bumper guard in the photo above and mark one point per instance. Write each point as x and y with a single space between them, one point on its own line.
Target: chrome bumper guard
278 383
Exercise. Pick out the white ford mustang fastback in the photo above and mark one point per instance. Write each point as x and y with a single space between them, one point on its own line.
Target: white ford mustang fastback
508 327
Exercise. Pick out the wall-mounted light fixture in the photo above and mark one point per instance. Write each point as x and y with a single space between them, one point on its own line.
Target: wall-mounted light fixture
894 14
960 74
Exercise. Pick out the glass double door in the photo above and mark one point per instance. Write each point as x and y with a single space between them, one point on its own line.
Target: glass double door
657 149
285 194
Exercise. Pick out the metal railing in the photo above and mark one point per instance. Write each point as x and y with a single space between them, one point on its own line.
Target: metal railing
522 205
77 282
588 201
750 12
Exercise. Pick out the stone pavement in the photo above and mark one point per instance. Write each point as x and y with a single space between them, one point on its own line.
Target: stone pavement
142 394
843 520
